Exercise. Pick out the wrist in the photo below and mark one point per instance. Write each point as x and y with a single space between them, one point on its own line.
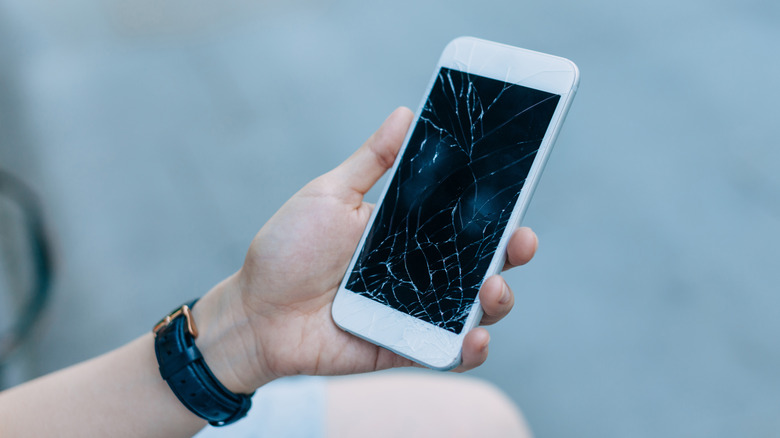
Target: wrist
227 341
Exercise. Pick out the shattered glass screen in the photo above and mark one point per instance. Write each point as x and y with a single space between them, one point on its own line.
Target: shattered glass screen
449 201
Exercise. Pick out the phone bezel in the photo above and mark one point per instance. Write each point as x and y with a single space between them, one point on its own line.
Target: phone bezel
406 335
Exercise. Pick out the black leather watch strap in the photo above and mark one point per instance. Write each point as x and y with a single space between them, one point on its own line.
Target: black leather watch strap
183 367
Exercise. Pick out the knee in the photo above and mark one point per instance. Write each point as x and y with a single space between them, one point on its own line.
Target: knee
421 404
498 415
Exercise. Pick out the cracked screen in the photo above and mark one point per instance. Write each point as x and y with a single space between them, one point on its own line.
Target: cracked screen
447 205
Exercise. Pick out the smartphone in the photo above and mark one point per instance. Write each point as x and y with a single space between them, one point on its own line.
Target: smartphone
458 189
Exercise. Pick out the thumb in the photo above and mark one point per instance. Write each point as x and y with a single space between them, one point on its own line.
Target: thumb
364 167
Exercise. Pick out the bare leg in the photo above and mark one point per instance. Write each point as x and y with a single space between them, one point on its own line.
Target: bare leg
419 405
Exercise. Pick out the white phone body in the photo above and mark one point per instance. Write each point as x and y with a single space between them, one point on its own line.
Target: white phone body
384 297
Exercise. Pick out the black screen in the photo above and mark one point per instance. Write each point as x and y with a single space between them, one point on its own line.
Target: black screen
449 201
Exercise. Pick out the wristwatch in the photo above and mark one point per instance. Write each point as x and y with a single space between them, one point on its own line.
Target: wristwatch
182 366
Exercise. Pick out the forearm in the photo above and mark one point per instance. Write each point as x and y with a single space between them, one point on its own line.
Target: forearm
118 394
121 393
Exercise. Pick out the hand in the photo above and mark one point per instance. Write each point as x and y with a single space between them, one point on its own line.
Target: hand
296 262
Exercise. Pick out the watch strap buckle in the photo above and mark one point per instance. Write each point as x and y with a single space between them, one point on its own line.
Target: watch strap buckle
166 321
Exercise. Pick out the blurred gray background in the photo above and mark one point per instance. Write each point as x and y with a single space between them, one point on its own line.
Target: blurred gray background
162 135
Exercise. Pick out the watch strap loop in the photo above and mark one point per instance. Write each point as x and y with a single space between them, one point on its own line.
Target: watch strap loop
176 363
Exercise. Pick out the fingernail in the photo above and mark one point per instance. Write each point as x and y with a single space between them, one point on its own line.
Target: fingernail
485 347
504 295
